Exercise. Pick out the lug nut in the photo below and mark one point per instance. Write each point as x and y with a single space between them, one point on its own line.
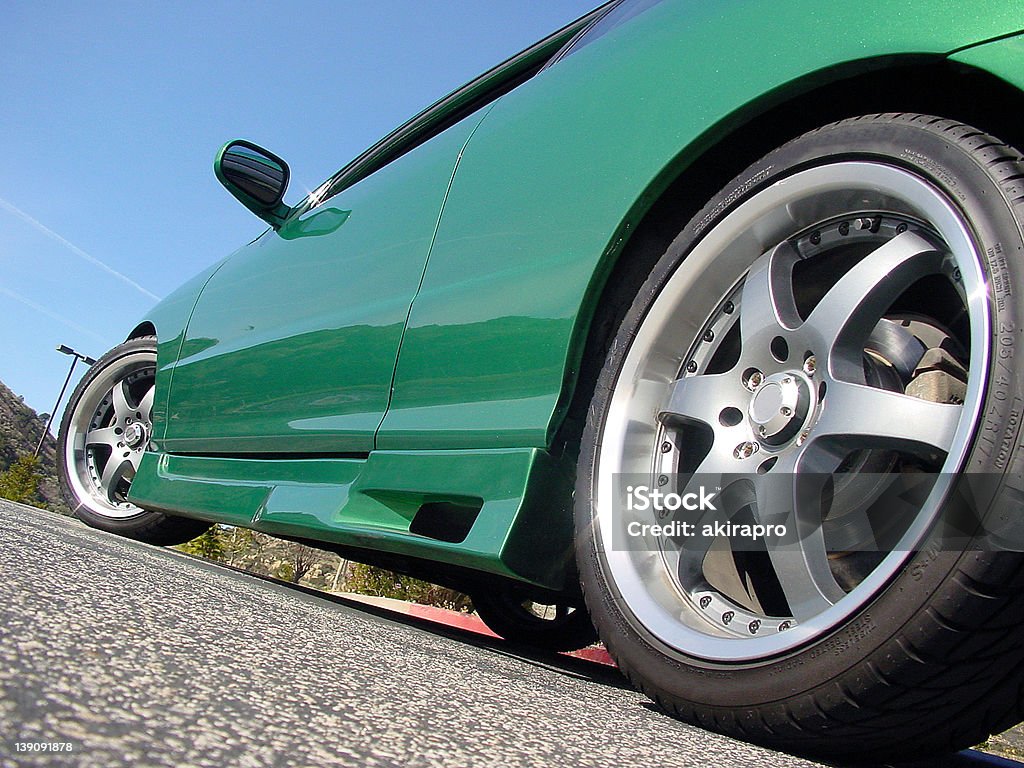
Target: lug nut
754 380
863 223
786 411
745 450
810 365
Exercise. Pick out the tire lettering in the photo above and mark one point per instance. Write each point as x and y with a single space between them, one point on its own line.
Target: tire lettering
1000 279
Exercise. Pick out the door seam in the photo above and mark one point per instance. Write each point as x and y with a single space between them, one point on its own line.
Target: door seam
423 272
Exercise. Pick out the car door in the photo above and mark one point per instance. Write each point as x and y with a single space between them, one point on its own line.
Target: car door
534 206
292 345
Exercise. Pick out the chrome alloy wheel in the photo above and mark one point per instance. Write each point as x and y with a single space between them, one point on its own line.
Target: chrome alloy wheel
835 324
108 433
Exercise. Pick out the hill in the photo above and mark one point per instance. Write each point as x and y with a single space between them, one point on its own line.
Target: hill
20 430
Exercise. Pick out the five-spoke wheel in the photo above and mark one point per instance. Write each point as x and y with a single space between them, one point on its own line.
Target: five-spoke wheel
818 340
111 432
107 428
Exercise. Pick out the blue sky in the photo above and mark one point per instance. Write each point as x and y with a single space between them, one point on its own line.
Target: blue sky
110 114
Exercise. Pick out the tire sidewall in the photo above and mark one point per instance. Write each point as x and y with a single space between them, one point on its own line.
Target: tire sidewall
915 145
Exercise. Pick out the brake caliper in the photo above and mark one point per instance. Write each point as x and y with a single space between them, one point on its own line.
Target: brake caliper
939 377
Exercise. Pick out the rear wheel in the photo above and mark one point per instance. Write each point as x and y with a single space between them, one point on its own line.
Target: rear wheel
837 320
106 428
509 611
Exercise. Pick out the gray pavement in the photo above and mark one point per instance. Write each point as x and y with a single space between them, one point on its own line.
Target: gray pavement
144 657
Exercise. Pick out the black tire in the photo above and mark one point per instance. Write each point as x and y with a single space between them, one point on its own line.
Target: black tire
932 661
78 466
507 611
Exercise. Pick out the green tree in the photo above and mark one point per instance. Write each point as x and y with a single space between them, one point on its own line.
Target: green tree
21 480
208 545
265 555
370 580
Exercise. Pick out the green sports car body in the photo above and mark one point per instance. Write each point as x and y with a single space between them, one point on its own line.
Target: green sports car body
412 365
418 336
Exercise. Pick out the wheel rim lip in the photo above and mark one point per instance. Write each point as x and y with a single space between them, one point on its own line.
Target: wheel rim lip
777 212
88 492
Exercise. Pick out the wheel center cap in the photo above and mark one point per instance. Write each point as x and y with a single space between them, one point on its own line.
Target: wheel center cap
134 435
779 406
767 402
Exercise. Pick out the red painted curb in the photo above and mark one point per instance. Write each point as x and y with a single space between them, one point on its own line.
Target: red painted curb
466 621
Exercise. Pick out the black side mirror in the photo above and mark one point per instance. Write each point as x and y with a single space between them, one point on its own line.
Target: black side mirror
256 177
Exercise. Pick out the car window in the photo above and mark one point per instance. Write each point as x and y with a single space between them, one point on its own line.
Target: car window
614 17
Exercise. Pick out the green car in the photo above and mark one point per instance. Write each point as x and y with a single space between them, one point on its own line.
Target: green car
646 324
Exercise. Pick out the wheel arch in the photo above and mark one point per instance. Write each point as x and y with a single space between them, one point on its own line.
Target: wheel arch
924 84
145 328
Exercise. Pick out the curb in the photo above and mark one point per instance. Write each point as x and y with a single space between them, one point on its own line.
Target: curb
466 621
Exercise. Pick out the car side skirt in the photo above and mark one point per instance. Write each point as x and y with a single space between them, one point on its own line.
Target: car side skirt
510 504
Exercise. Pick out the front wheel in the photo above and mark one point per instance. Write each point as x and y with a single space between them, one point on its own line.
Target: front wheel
106 428
840 321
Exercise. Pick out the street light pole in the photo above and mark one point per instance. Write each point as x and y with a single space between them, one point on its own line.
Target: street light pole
75 357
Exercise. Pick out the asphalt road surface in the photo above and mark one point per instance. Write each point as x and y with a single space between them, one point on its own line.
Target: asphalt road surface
140 656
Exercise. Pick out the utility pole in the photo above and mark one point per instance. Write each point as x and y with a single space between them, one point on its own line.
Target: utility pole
342 567
75 357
